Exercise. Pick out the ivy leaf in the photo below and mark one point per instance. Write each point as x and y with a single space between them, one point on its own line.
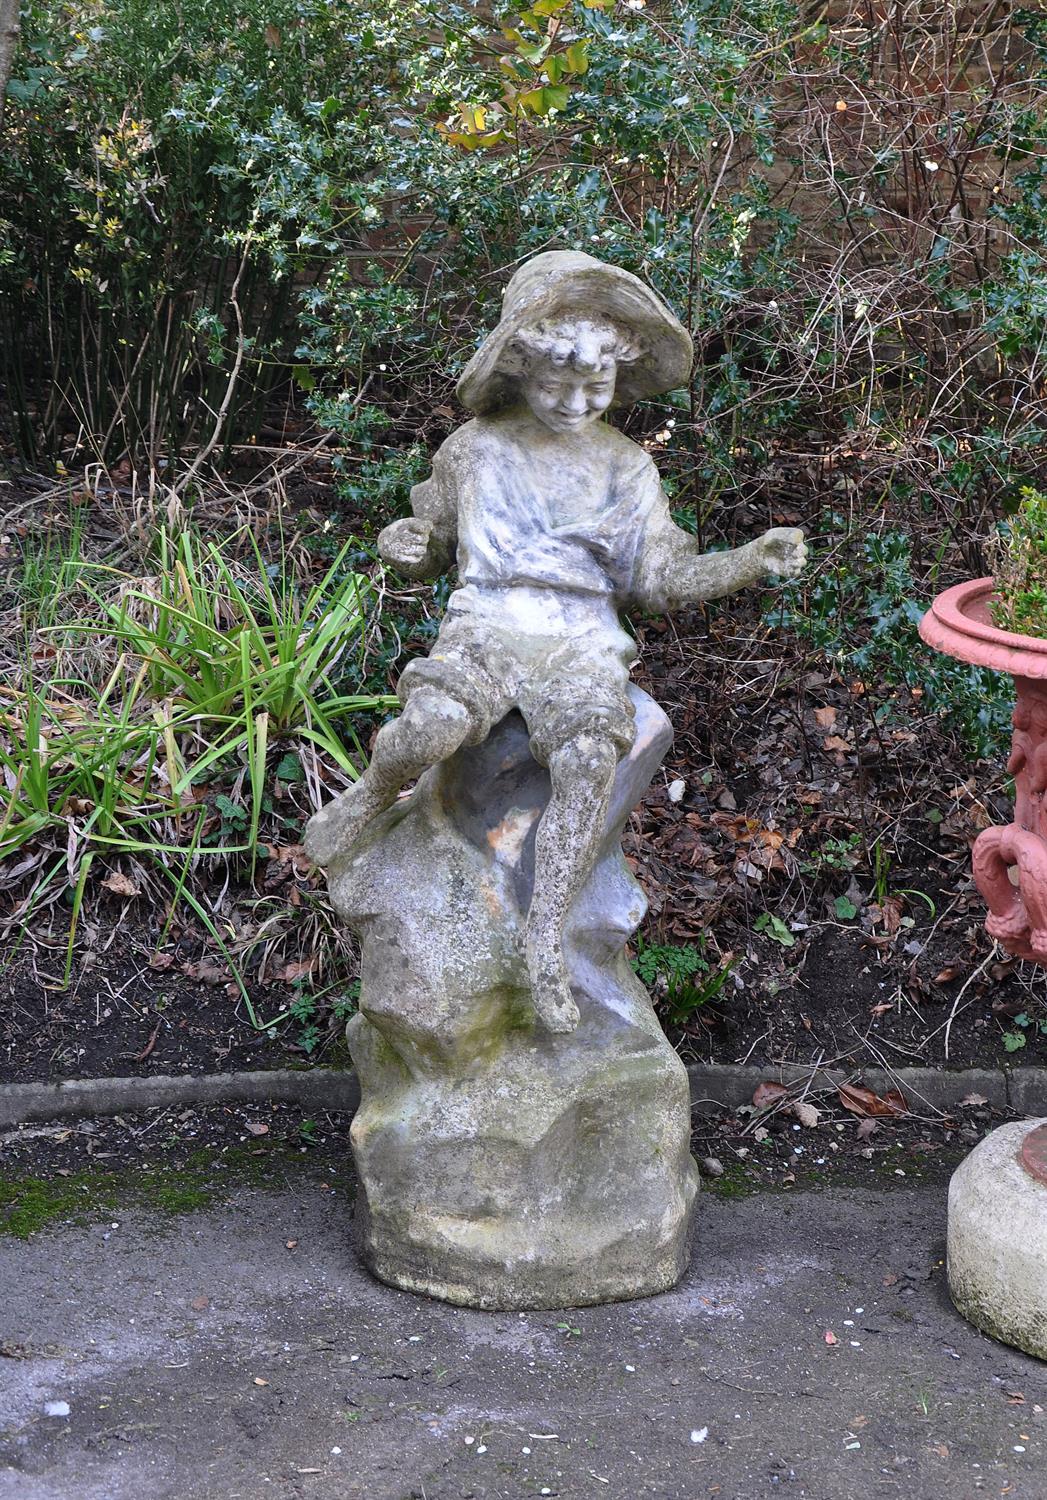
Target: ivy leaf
576 57
774 928
290 768
543 101
554 67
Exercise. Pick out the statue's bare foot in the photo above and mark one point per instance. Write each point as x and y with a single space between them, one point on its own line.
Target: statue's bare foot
335 828
551 991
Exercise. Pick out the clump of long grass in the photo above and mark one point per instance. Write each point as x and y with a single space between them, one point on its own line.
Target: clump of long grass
158 722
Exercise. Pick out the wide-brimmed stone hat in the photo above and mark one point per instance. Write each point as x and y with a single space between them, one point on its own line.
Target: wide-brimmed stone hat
559 282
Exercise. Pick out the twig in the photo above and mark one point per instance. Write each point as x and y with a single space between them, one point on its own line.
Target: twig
178 488
959 996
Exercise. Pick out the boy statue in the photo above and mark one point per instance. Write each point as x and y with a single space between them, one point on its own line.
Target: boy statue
556 521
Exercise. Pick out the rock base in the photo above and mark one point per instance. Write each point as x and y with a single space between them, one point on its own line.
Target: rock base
997 1241
500 1166
546 1181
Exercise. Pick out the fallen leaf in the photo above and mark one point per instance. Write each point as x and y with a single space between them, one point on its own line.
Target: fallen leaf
825 718
866 1128
257 1127
291 973
161 960
891 914
205 972
806 1113
120 885
836 742
150 1044
862 1101
766 1094
948 974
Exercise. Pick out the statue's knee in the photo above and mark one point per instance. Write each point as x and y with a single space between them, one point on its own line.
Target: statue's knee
591 758
436 722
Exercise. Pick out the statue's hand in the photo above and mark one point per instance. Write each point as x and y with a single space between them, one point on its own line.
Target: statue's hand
405 544
783 551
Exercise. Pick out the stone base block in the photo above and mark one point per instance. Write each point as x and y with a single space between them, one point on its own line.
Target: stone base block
997 1241
549 1183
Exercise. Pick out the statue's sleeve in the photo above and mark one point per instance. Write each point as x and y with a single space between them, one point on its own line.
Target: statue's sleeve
659 539
672 571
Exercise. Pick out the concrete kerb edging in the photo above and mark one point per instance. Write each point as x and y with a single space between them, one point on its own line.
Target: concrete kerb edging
713 1086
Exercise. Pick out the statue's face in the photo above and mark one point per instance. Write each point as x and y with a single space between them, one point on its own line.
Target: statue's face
565 399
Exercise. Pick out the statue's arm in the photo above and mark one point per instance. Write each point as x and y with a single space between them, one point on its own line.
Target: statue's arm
671 570
423 544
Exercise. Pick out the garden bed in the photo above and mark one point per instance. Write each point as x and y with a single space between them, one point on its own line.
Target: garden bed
809 832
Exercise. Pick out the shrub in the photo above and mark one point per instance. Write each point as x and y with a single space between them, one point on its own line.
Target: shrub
862 609
1019 563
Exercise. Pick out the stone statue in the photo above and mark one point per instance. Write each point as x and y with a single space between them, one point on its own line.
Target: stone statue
504 1161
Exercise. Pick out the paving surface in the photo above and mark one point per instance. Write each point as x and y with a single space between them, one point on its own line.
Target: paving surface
201 1357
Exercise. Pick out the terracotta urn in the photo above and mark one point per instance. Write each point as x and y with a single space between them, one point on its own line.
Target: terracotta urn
1010 864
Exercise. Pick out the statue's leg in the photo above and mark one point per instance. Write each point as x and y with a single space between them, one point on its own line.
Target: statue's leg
432 726
568 838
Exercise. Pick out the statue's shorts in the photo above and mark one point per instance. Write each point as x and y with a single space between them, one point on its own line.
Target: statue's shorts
561 658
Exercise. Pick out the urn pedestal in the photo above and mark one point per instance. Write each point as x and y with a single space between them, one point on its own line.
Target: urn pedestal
997 1242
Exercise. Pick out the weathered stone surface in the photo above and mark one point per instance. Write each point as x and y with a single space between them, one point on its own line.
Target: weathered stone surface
500 1166
997 1241
523 1134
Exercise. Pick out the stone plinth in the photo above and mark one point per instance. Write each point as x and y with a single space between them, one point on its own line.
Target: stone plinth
997 1244
502 1166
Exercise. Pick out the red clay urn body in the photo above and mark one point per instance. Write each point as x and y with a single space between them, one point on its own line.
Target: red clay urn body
1010 864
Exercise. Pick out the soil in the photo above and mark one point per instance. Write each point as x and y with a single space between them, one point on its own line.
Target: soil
783 797
121 1018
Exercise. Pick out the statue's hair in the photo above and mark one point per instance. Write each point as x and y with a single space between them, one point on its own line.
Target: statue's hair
577 343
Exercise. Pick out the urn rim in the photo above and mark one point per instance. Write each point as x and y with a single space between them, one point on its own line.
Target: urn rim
958 624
